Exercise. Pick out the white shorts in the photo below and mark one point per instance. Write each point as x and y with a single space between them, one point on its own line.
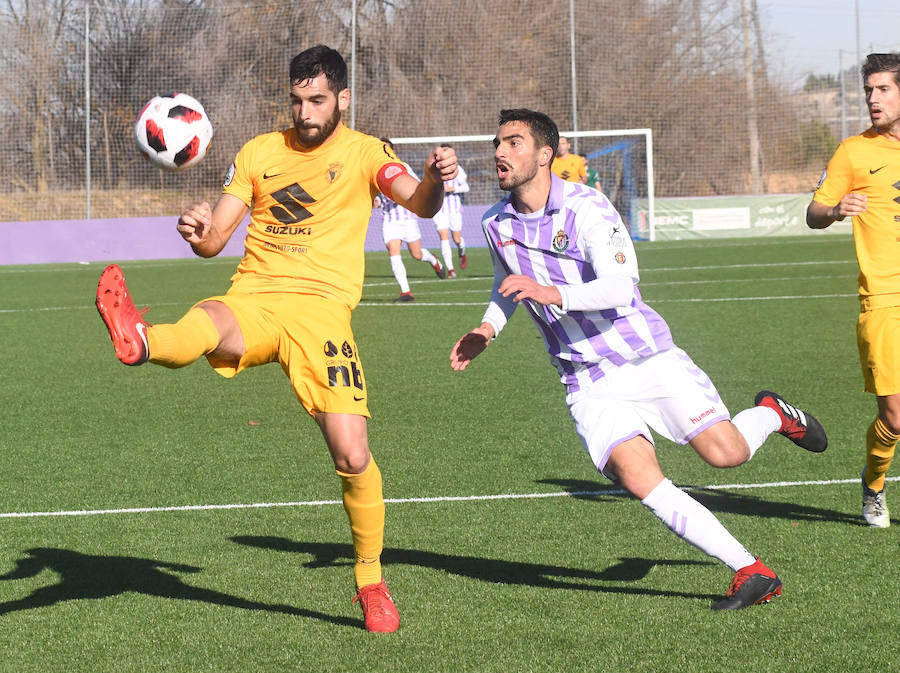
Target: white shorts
665 391
404 230
444 220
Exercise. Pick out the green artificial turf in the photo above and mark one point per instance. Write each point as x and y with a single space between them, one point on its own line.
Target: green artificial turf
584 579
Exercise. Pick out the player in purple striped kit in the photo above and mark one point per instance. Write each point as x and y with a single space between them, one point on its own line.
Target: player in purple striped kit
448 220
399 226
561 250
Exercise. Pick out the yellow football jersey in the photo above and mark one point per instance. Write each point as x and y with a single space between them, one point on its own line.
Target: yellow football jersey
309 211
870 164
571 167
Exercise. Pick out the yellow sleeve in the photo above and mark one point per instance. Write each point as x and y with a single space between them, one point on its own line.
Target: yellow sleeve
238 181
837 180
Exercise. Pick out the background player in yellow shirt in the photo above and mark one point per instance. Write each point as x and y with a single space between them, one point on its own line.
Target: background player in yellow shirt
862 181
309 190
568 166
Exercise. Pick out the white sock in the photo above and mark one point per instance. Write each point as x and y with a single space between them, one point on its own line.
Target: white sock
461 246
756 423
691 521
399 272
445 253
427 257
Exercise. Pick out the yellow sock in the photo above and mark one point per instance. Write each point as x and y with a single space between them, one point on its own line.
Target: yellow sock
364 503
182 343
880 445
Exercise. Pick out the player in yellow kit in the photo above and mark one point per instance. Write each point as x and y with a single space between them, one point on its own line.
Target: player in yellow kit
568 166
309 190
862 181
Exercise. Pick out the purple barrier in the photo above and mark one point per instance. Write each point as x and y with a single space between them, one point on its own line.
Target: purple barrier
132 238
471 230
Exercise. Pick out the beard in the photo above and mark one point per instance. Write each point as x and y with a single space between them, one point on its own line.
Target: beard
312 135
885 124
513 180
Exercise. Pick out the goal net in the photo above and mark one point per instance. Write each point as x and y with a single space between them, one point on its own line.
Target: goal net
619 163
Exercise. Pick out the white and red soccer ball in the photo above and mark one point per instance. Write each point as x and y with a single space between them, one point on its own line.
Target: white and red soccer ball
173 131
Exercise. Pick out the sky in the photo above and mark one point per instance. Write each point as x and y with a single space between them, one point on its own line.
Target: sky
807 36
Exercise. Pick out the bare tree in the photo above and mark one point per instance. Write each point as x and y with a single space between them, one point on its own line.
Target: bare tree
33 39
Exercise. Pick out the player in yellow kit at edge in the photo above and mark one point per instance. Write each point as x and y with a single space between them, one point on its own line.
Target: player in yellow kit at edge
862 181
309 190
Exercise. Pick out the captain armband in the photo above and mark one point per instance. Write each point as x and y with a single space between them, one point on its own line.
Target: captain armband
386 176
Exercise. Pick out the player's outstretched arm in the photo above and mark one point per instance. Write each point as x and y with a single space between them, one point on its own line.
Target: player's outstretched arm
25 568
208 229
470 346
425 198
820 216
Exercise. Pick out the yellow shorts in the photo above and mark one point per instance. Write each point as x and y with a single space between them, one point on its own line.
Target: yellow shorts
312 340
878 339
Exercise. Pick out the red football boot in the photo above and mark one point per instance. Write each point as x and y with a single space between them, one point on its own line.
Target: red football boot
378 608
126 325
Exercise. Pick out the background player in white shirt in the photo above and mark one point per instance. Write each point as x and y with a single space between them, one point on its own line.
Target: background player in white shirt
399 226
561 250
449 218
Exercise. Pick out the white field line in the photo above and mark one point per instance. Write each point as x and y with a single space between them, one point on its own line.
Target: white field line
758 265
392 284
761 298
645 251
93 267
83 307
741 242
403 501
780 297
659 283
366 304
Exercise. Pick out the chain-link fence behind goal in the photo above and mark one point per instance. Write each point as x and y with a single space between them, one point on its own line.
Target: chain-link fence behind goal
419 68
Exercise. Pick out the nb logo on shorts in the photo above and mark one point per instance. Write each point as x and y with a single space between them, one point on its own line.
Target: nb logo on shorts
341 375
342 368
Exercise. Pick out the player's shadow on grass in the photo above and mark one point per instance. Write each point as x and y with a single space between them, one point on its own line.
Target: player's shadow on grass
88 576
589 490
716 500
490 570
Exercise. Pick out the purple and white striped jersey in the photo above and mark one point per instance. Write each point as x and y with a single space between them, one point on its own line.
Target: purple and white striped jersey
578 238
452 206
391 211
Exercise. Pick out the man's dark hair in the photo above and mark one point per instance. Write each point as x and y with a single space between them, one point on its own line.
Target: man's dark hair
882 63
541 126
317 60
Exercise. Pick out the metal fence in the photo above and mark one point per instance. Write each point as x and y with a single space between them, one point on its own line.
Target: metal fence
76 73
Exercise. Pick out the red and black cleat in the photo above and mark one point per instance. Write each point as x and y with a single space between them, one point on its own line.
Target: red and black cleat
799 426
752 585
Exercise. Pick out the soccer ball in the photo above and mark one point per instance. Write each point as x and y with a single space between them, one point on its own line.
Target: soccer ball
173 131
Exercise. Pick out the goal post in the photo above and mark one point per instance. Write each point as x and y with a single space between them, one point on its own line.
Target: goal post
621 159
640 200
